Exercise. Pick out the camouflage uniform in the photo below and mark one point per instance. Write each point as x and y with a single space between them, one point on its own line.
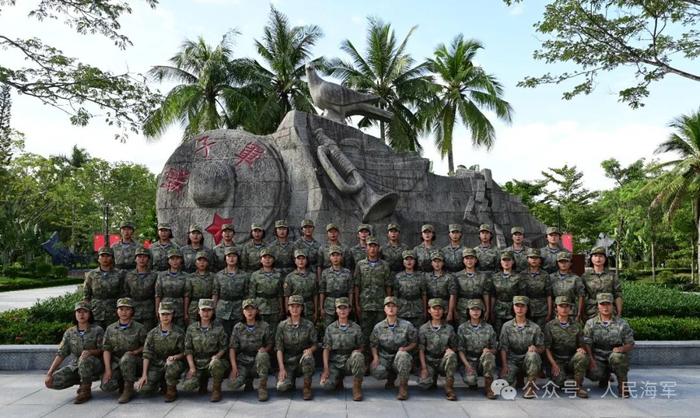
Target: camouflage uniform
472 341
344 361
393 255
372 278
440 287
284 256
141 288
102 289
537 287
410 289
198 286
470 286
334 284
246 341
158 347
311 248
602 338
230 289
488 258
218 262
519 258
515 341
453 258
387 340
266 289
324 256
202 344
357 254
434 343
292 340
159 255
593 284
250 256
549 258
424 261
119 340
303 284
190 256
125 254
569 285
79 371
563 340
505 286
170 288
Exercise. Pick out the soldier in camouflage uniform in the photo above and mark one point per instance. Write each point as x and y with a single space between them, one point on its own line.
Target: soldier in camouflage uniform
392 252
563 342
600 280
230 289
410 291
425 249
265 287
371 283
359 251
550 251
295 342
486 253
506 284
608 341
250 253
303 283
441 285
195 245
199 285
336 282
307 243
140 286
519 250
249 350
392 341
471 284
125 249
219 251
170 286
521 343
538 287
161 248
83 341
282 249
565 283
343 355
206 346
453 251
122 348
163 356
437 350
102 287
477 348
324 261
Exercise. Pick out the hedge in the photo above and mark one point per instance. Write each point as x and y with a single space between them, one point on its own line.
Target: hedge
8 284
43 323
665 328
647 300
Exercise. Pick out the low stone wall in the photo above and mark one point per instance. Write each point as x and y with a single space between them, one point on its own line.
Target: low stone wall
646 353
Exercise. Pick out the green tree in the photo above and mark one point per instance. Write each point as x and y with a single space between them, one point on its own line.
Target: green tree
655 38
464 90
533 194
388 71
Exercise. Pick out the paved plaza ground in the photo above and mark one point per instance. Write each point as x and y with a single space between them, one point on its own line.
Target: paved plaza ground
22 394
26 298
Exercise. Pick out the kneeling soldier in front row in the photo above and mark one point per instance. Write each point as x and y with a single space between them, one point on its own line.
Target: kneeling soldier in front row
437 345
477 347
295 343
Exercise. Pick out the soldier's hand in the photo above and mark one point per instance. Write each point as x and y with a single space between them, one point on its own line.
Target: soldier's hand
423 372
84 355
170 360
308 353
555 370
48 381
448 351
532 349
375 363
592 366
234 373
505 370
139 384
581 350
449 317
107 376
282 374
324 376
191 373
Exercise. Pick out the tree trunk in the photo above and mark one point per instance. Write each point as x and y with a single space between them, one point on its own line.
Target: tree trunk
450 162
382 134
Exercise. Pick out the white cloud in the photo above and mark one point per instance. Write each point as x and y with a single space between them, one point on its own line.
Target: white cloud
516 10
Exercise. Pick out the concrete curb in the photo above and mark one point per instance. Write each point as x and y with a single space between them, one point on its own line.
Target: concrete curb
646 353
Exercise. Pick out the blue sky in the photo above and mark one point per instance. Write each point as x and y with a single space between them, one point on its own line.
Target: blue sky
546 130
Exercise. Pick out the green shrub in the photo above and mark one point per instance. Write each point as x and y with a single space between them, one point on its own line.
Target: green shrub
665 328
56 309
630 275
43 270
646 300
59 272
16 327
15 283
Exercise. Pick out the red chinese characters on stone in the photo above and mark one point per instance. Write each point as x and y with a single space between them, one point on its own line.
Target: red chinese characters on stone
250 154
204 144
215 227
175 179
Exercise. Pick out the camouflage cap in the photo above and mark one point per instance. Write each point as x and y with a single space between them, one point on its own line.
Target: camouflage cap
562 300
475 303
468 252
227 227
436 302
127 302
517 230
427 227
408 253
174 252
83 304
533 252
231 250
335 249
604 298
295 300
521 300
281 223
142 251
553 230
249 302
360 227
437 255
372 241
455 227
195 228
105 250
164 225
266 251
563 256
599 250
343 301
390 299
127 224
307 222
332 226
393 226
506 255
166 307
484 227
206 304
202 254
254 226
299 253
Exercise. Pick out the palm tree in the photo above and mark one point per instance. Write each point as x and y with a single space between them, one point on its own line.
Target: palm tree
209 96
683 180
388 71
462 90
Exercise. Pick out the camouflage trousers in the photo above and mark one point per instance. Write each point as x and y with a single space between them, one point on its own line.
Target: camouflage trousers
216 369
445 366
530 365
400 364
368 320
354 366
485 365
170 373
296 366
576 366
124 369
85 371
616 363
248 371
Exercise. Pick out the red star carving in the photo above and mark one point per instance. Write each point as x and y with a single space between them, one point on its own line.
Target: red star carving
204 144
215 227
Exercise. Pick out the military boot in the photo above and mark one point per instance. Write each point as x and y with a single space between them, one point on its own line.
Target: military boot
622 388
262 389
215 391
403 390
357 389
339 383
391 378
580 391
450 389
530 390
170 393
487 388
84 393
307 394
604 382
127 393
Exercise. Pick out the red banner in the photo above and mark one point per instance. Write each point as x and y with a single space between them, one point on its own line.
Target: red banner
98 241
567 241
